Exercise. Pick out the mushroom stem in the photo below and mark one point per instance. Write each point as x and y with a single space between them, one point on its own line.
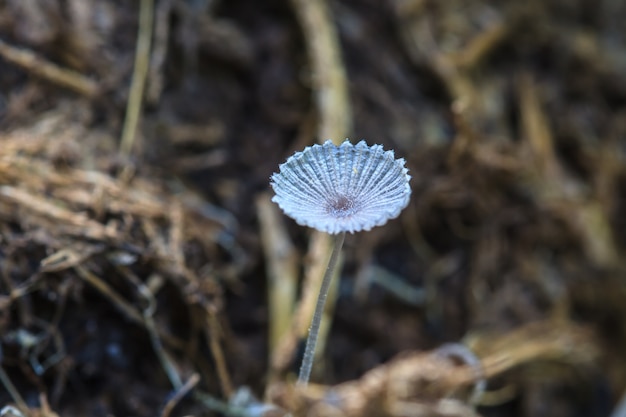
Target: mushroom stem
311 341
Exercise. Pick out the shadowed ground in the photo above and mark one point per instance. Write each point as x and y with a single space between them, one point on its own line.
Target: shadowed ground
144 271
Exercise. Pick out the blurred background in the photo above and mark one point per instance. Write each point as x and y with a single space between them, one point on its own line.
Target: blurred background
144 270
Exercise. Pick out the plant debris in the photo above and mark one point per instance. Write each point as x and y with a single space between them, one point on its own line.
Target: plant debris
144 272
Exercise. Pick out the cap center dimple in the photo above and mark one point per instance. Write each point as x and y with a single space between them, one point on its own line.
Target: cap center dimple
341 206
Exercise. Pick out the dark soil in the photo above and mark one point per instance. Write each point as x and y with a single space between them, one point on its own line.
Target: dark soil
136 268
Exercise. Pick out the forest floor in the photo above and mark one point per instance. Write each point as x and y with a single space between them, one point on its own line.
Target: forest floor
144 270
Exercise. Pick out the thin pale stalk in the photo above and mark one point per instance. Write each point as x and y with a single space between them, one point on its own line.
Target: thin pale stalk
311 341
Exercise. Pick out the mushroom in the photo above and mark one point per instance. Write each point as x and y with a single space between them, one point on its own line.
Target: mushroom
339 189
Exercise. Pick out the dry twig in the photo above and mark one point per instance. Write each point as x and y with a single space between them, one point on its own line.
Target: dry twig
180 394
140 73
282 269
49 71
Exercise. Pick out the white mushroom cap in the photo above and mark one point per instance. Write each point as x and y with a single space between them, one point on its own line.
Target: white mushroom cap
346 188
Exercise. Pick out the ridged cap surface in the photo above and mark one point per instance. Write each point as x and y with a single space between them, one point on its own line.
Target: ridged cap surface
346 188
